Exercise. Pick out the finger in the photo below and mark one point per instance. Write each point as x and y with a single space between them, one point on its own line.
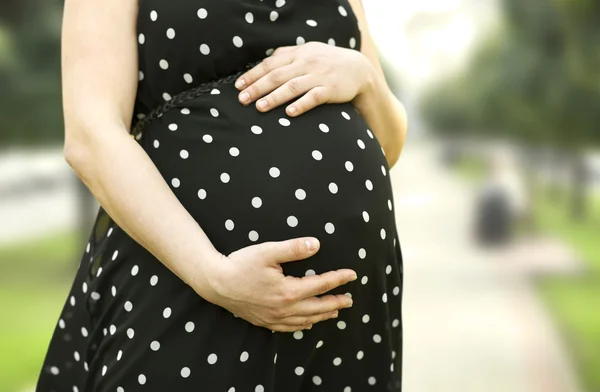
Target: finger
279 58
292 88
304 320
313 98
317 306
311 286
288 328
269 82
277 252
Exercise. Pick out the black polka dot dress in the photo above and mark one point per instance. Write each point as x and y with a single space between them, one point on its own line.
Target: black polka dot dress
247 177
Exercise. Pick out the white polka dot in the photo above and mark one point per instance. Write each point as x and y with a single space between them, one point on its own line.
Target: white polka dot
300 41
175 182
279 3
112 329
388 269
85 366
140 76
366 318
369 185
341 324
95 296
166 96
225 178
390 204
256 202
396 290
274 172
153 280
75 389
284 122
395 323
54 370
87 248
342 11
61 324
204 49
170 33
319 344
349 166
119 355
141 39
310 272
215 91
189 326
253 236
311 23
377 338
299 370
134 270
300 194
185 372
333 188
164 64
97 274
214 112
188 78
207 138
337 361
155 346
238 42
76 356
256 129
156 143
84 287
113 290
84 332
362 253
346 115
130 333
153 16
167 312
142 379
323 128
331 42
360 355
361 144
234 151
201 194
292 221
274 15
173 127
392 367
229 225
316 154
259 388
212 359
128 306
269 51
364 280
384 297
244 357
382 233
352 42
365 215
329 228
317 380
370 134
202 13
184 154
249 17
275 358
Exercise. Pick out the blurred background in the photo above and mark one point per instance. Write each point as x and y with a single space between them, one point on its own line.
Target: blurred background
497 191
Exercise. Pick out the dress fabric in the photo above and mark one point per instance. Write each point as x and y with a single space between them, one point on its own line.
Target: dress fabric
129 324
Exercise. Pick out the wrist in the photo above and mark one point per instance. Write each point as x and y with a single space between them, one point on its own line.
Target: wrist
205 274
370 83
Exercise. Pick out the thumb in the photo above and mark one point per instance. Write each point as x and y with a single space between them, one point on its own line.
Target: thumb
277 252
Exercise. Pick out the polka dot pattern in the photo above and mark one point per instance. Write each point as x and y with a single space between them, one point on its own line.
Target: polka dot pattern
246 177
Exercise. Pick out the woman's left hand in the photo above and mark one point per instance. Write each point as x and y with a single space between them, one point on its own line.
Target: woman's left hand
318 73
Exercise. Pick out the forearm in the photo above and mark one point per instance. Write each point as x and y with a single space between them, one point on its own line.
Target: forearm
130 188
385 115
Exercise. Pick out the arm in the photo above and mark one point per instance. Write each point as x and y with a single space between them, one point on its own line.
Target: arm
384 113
99 76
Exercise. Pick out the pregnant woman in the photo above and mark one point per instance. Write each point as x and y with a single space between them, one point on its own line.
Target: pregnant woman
246 242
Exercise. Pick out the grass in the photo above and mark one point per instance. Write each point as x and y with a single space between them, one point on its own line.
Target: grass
573 301
35 278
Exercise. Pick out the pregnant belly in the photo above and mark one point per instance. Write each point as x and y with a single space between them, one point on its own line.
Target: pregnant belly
249 177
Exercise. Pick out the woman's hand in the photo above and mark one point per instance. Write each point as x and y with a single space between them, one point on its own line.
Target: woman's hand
317 72
250 283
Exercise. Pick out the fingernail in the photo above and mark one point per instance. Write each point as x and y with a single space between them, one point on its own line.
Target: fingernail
350 304
310 244
240 83
353 277
335 315
309 327
262 104
244 97
292 109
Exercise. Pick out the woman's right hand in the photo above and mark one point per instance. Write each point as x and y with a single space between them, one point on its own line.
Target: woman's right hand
250 284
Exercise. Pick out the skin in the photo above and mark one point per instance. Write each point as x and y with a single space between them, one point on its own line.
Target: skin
99 83
316 73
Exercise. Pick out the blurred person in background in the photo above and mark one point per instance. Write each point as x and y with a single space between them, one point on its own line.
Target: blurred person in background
263 134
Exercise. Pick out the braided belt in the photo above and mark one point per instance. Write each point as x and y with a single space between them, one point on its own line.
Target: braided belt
184 96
